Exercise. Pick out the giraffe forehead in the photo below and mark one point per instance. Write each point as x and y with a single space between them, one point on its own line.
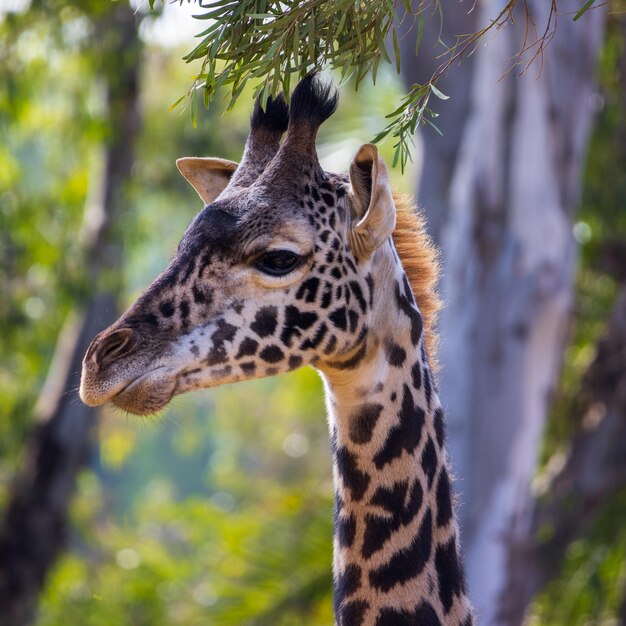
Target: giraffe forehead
212 228
215 235
249 219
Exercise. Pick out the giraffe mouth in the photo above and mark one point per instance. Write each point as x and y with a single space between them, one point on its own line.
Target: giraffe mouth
148 393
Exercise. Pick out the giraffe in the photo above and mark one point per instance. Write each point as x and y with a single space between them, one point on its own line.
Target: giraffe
288 265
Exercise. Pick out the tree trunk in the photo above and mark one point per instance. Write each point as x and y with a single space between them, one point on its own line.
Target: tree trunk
34 529
595 469
509 258
438 153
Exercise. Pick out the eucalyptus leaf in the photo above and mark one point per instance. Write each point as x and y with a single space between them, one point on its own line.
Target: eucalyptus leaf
438 93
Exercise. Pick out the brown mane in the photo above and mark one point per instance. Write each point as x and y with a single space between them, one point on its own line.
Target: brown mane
420 259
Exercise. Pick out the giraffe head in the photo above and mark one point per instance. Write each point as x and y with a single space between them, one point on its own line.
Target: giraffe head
276 271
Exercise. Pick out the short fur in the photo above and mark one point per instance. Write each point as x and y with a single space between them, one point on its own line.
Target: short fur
420 259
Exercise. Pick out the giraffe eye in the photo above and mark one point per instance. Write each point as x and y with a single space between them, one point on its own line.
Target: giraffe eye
278 262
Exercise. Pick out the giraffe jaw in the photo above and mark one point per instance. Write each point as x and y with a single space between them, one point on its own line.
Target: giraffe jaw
142 395
149 393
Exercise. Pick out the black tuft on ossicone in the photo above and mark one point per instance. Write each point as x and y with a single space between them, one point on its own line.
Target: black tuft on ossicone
275 117
312 101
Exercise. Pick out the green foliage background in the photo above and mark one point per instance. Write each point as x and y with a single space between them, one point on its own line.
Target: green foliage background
219 513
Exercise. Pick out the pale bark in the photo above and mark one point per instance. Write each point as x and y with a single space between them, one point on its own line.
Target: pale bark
438 153
35 524
509 261
504 218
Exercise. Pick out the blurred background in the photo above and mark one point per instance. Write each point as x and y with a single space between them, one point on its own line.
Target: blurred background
220 510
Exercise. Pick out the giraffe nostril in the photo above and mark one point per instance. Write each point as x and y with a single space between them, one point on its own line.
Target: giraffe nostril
113 346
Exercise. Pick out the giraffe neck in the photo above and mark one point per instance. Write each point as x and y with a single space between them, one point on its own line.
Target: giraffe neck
396 558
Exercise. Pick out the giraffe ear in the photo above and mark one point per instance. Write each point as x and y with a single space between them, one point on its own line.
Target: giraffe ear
375 210
208 176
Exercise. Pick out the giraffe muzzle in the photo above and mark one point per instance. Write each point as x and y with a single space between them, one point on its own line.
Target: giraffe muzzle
115 370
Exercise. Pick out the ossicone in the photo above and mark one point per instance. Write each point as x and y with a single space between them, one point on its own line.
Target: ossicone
274 117
312 102
267 126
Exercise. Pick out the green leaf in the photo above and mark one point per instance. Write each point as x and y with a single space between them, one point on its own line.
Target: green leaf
210 15
383 133
311 37
397 112
236 93
287 80
584 9
375 69
396 156
425 120
265 94
381 44
339 29
175 104
296 45
420 33
396 49
194 106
